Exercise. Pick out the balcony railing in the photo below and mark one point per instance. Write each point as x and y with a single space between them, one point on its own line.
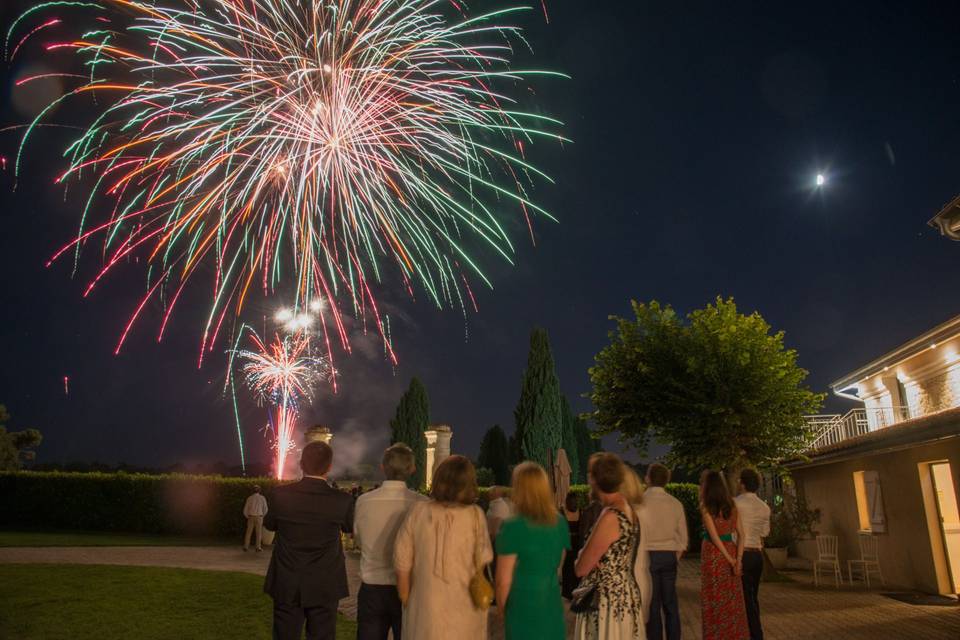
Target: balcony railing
831 429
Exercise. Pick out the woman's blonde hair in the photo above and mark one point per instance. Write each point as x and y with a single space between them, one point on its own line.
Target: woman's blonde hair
631 488
532 496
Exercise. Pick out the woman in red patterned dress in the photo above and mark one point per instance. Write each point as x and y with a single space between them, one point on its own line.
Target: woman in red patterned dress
723 610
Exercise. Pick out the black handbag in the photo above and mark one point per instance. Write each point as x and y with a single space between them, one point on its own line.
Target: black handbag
585 599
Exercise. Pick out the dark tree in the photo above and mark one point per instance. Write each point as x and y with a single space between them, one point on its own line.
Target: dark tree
411 420
495 454
15 445
586 446
720 387
513 448
538 417
570 443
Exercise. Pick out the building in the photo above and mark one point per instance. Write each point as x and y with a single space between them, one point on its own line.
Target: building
948 220
890 467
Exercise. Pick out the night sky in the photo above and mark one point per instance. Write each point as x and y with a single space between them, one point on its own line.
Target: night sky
698 131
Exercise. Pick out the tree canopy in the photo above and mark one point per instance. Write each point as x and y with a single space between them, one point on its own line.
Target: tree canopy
719 387
495 454
538 418
15 445
409 424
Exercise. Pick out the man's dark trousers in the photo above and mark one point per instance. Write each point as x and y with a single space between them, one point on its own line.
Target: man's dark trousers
663 574
288 621
378 611
752 571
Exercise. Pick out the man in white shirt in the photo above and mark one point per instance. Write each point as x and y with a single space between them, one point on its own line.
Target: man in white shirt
754 516
379 515
663 525
253 510
500 509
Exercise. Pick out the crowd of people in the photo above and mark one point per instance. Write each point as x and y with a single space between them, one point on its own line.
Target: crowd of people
427 562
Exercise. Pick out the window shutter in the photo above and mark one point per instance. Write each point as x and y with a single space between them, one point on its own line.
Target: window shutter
878 521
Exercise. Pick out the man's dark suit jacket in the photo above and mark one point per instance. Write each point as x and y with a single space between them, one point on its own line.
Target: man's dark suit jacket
307 566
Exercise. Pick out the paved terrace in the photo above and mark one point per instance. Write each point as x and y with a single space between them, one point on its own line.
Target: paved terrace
791 610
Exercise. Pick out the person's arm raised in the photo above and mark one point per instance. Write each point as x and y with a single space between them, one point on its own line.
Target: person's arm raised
605 533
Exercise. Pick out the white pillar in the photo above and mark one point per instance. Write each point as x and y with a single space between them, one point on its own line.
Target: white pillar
318 433
438 448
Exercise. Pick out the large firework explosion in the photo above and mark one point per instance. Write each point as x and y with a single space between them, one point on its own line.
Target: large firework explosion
298 145
282 373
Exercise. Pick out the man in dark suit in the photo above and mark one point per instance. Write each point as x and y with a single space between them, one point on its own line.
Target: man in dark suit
307 575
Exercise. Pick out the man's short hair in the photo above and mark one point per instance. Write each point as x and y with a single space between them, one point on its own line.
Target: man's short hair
399 462
750 479
316 458
256 488
658 475
607 470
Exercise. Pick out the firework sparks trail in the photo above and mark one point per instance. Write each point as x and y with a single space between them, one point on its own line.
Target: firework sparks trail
303 145
283 373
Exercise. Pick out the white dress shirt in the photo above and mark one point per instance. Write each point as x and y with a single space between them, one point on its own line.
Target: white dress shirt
754 516
256 505
663 523
377 519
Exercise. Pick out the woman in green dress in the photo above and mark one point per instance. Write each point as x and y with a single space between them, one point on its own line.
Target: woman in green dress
530 548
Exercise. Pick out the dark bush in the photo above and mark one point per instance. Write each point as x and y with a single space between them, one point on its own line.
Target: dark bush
175 503
134 503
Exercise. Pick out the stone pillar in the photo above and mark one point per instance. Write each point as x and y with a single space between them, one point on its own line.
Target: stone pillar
318 433
438 448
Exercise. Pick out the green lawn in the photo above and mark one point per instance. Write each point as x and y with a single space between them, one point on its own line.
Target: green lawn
98 602
99 539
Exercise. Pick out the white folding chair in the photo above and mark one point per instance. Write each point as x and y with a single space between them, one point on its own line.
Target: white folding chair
827 555
869 560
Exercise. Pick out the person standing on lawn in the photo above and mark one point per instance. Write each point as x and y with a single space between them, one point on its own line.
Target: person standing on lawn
254 509
379 515
755 520
307 575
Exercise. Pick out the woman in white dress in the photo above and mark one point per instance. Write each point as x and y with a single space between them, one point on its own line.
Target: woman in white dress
435 558
608 560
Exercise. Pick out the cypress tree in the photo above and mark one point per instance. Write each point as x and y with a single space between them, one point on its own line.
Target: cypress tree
586 446
538 417
495 454
411 420
570 443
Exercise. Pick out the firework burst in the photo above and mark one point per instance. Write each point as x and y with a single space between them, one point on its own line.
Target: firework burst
305 145
283 373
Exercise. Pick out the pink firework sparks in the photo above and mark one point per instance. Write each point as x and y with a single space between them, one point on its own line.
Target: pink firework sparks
284 373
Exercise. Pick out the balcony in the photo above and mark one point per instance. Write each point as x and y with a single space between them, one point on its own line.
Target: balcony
833 429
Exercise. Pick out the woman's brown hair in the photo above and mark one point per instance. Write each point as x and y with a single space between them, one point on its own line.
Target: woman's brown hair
607 470
532 495
455 481
714 496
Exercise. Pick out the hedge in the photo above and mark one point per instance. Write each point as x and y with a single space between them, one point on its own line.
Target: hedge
126 502
174 503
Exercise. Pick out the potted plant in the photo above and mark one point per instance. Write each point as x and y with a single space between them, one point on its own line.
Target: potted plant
780 538
790 521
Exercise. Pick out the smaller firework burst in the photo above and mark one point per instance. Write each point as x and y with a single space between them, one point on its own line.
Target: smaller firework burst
283 373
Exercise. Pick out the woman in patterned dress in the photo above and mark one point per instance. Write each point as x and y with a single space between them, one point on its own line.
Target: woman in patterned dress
607 560
723 611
